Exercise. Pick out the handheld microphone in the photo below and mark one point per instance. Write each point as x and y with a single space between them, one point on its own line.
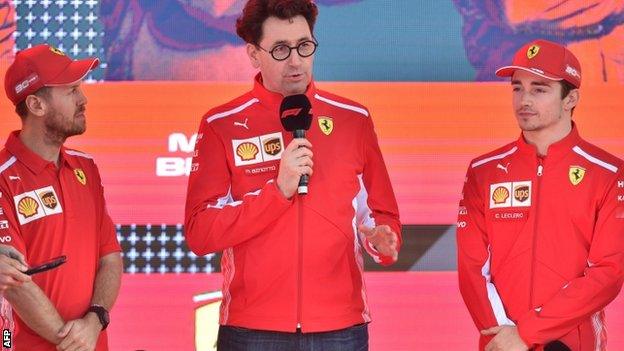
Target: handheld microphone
296 118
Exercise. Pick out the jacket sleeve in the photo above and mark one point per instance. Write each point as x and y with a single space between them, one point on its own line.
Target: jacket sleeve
473 259
213 219
376 204
587 295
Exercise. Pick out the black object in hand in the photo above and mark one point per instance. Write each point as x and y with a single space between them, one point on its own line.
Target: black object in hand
46 266
296 117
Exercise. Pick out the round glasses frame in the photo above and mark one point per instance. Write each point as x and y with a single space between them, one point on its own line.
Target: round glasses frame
282 51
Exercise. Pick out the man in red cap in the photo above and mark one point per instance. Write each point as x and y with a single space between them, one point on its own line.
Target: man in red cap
52 203
541 221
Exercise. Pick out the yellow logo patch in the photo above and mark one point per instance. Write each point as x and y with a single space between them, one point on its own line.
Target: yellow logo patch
28 207
532 51
326 124
247 151
56 51
80 175
500 195
576 174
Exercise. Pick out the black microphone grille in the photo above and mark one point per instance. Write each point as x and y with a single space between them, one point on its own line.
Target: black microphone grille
295 112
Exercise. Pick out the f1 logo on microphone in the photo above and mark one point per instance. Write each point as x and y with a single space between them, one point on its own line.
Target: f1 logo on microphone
292 112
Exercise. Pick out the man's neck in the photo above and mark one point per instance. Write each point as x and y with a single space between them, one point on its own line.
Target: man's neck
38 142
543 138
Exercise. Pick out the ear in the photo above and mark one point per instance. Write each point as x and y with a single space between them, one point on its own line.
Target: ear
570 101
36 105
253 52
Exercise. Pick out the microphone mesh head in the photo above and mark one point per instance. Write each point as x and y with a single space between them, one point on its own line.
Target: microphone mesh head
295 112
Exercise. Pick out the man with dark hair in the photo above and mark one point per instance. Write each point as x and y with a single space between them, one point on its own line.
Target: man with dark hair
540 230
292 263
52 204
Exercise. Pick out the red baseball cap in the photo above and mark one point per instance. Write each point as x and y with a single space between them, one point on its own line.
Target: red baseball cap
545 59
41 66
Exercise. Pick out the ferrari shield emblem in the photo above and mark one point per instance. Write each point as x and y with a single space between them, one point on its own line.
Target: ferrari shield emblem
532 51
56 51
80 175
576 174
326 124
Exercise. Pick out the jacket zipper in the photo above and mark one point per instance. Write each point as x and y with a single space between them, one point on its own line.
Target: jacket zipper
300 263
540 172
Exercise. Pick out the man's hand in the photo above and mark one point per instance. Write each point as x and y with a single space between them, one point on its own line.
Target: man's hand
80 334
12 253
12 264
383 239
506 339
296 161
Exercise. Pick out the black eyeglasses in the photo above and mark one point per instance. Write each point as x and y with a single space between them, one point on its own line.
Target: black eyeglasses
282 51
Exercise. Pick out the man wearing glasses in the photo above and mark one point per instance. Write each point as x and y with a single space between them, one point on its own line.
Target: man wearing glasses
292 264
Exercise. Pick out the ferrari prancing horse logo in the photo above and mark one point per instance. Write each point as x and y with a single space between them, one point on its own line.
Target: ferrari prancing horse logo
576 174
532 51
326 124
80 175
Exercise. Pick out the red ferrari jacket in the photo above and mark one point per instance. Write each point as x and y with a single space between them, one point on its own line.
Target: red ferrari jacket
541 241
288 263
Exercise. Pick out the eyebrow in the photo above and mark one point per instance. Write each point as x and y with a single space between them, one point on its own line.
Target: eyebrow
286 42
533 83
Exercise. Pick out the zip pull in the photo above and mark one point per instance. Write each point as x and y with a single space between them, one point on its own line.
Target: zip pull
540 170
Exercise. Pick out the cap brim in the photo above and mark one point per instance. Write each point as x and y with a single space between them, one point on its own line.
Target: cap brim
508 71
76 71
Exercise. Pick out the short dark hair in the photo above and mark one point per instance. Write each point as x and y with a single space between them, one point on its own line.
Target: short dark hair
566 88
249 24
22 110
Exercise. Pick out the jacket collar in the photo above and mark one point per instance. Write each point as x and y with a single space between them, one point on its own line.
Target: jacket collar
273 100
31 160
557 150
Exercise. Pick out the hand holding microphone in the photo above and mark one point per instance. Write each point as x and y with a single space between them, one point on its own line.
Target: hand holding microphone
296 164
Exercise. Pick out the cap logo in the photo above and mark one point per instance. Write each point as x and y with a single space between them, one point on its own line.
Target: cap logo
19 87
532 51
56 51
573 72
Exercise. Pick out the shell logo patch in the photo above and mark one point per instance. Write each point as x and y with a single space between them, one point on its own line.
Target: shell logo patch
28 207
247 151
500 195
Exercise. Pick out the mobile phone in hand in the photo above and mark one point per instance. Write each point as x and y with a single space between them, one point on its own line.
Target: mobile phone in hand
46 266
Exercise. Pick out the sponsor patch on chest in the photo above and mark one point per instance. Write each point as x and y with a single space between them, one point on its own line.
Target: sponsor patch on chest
258 149
37 204
510 194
